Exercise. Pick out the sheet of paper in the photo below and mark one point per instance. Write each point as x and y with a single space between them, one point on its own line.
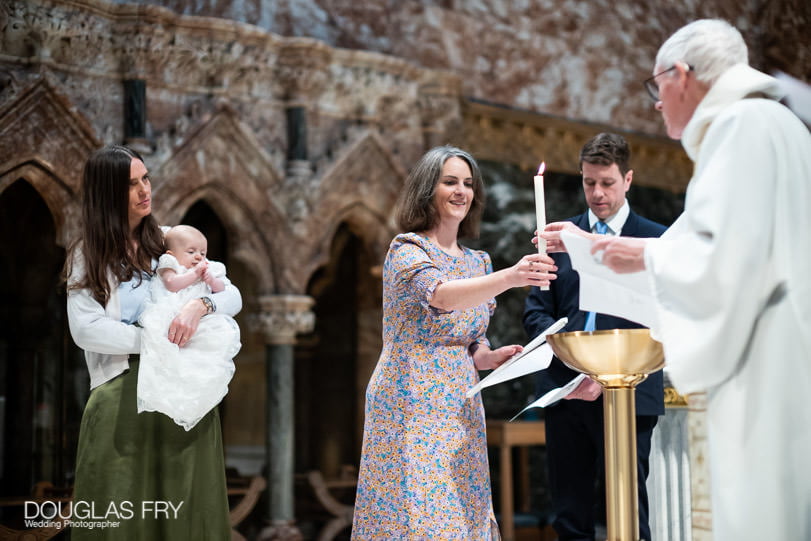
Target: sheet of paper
554 395
535 356
602 290
798 95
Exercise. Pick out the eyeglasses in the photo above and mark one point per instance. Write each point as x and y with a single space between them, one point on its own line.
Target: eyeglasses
653 88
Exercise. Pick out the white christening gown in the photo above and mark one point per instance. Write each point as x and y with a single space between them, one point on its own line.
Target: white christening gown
184 383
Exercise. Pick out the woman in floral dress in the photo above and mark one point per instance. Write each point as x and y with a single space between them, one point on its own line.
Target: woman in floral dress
424 471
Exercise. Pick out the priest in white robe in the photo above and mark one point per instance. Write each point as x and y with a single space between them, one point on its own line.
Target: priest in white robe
731 278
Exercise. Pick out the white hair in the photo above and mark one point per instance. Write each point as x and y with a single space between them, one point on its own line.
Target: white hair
708 46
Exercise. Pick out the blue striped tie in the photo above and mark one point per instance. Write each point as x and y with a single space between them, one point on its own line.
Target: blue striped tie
591 319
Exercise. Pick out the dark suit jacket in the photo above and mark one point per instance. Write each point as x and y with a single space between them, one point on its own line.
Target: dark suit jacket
543 308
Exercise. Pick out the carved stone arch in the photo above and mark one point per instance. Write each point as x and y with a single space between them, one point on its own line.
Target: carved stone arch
222 163
58 196
367 170
249 246
361 190
367 225
221 151
51 143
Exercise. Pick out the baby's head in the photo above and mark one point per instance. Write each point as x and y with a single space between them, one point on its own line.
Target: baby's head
187 244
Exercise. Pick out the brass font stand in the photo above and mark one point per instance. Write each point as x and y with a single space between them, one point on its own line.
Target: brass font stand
619 360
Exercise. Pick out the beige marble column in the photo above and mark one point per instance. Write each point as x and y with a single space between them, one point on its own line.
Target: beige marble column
700 485
281 318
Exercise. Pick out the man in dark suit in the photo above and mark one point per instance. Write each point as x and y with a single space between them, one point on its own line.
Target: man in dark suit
574 426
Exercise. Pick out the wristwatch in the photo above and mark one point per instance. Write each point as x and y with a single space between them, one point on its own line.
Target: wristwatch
209 304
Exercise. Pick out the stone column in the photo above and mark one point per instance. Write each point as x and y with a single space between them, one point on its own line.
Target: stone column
302 70
135 135
134 109
701 508
281 318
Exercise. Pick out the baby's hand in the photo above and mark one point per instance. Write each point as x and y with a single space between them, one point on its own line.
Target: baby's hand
207 277
201 268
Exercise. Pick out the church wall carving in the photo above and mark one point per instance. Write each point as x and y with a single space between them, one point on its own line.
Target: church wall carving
217 92
577 60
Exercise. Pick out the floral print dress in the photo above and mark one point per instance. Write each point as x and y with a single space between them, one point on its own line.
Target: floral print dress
424 472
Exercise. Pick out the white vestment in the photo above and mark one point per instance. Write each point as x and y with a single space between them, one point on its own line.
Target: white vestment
732 282
184 383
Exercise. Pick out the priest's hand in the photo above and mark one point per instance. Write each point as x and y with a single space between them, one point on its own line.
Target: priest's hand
486 359
620 254
588 390
551 234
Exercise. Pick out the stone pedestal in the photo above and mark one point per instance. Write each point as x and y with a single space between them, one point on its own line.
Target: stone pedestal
700 502
679 479
669 477
281 318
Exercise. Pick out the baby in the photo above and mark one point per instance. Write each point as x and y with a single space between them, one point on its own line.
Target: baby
185 263
185 382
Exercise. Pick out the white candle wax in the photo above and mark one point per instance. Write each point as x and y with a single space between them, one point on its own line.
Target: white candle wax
540 211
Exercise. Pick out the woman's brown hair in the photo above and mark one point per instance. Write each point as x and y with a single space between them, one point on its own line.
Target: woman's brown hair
416 210
104 235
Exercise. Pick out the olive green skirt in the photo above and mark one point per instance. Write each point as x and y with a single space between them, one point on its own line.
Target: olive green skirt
142 477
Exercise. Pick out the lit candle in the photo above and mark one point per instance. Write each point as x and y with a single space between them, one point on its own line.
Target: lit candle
540 211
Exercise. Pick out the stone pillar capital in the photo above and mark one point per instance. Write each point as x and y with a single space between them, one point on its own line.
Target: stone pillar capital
281 317
302 69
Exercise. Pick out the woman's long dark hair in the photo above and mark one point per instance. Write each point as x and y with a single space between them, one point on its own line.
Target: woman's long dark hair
104 237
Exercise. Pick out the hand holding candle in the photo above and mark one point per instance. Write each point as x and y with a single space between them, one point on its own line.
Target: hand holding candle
540 211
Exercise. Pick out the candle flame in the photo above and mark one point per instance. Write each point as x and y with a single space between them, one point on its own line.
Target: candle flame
541 168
